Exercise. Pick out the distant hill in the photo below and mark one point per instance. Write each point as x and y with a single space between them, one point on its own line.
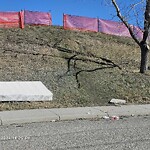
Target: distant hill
80 68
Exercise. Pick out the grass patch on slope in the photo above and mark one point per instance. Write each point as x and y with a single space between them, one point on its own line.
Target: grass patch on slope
42 53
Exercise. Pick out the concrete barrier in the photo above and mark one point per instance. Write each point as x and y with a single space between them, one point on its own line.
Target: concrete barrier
24 91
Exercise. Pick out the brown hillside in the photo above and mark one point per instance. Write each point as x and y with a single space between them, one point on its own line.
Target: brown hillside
104 66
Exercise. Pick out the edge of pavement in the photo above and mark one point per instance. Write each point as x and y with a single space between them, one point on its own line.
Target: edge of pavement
61 114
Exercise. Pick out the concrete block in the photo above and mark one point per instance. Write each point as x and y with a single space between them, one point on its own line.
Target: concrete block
24 91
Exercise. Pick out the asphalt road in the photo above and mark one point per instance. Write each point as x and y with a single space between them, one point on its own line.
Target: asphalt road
125 134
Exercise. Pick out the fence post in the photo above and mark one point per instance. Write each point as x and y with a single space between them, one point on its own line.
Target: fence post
50 17
98 24
64 21
21 15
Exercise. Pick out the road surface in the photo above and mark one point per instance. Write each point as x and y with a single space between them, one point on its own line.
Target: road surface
131 133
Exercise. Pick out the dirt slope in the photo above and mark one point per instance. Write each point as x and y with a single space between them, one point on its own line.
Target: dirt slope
80 68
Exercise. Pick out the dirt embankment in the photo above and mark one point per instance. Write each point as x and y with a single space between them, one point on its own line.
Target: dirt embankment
80 68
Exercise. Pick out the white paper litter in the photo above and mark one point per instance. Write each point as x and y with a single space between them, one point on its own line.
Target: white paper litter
118 101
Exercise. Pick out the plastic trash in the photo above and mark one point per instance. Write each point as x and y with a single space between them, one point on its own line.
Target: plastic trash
106 117
114 118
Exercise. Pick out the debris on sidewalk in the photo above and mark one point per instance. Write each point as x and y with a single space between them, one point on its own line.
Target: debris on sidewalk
53 121
114 118
111 118
105 117
117 101
88 113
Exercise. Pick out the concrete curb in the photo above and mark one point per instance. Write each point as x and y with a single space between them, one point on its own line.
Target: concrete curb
60 114
26 116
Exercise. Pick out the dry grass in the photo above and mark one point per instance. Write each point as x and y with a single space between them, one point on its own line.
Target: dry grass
30 54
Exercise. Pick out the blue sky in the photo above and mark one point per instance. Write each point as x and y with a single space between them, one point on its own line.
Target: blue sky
88 8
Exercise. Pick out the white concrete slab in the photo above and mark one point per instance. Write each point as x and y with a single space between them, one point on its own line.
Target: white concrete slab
24 91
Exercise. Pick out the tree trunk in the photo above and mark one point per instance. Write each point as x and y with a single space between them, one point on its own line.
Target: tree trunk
144 58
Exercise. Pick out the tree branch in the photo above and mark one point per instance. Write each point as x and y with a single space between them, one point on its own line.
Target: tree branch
91 70
146 22
125 22
82 57
134 5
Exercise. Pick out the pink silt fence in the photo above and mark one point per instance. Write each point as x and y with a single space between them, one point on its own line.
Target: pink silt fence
80 23
37 18
118 28
19 19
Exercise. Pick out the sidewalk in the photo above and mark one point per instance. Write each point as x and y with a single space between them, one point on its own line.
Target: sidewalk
60 114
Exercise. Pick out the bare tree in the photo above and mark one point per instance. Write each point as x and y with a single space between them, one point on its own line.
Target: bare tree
143 44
